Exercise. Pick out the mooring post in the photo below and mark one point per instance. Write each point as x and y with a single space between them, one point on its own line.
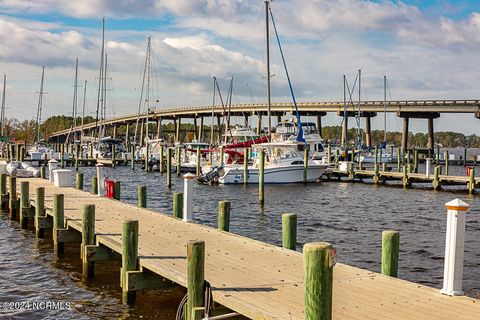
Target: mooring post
62 155
384 167
375 161
471 181
224 216
22 153
221 156
40 213
415 160
289 231
42 172
24 204
195 275
12 200
454 247
318 261
376 174
129 257
305 165
91 150
79 181
88 238
52 165
436 178
147 158
409 168
245 165
390 252
116 190
446 156
178 205
114 156
329 153
142 196
465 157
179 161
428 166
261 171
94 185
77 155
132 155
198 162
3 191
169 167
399 159
162 168
380 155
58 222
188 197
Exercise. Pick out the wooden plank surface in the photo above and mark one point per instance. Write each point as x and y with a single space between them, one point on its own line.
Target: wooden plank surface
258 280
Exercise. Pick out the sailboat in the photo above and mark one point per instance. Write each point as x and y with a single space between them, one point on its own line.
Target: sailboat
3 138
284 162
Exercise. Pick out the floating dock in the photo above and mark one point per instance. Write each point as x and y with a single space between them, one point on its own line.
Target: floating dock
254 279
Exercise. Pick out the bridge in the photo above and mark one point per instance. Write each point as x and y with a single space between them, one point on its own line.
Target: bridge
406 109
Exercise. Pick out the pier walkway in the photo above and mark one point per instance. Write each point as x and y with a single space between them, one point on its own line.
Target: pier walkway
255 279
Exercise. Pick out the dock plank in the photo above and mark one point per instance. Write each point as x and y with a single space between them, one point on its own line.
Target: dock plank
258 280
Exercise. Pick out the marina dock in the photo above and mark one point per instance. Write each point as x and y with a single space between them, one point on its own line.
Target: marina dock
254 279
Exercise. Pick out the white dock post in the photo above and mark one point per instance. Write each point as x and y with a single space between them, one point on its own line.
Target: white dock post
101 179
454 245
52 165
428 165
188 197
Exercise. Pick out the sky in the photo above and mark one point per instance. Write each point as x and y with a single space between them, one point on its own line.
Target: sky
428 49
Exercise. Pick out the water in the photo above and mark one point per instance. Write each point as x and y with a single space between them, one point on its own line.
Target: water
350 216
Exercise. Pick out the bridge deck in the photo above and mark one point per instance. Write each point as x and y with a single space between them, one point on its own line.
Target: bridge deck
258 280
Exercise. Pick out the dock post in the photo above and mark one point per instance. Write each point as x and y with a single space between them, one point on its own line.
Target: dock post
188 197
39 211
446 156
58 222
261 171
12 200
42 172
3 190
129 257
471 181
376 174
77 154
22 153
399 159
62 155
198 168
245 166
415 161
454 247
88 238
305 165
428 166
409 168
142 196
169 167
221 156
24 203
380 155
329 153
162 169
318 261
178 205
376 156
94 185
79 181
465 157
390 252
132 164
224 216
146 160
116 190
114 156
91 150
384 167
195 275
289 231
408 157
436 178
179 161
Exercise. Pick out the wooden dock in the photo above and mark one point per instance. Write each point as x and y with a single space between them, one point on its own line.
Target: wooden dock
254 279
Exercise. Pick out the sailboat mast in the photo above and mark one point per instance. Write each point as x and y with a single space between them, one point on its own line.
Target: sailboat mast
2 113
83 109
40 104
147 91
345 117
267 36
99 94
141 93
359 137
74 104
385 109
213 109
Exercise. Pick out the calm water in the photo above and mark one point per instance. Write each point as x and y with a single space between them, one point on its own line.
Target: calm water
350 216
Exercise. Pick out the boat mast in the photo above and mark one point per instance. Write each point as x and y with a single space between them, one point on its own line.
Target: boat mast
104 100
2 113
345 118
83 109
40 105
359 137
213 109
99 94
267 34
385 110
74 104
141 92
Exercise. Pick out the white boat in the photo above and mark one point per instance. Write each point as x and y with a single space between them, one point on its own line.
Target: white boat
283 164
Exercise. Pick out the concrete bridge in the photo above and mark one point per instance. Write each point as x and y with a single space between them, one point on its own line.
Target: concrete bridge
406 109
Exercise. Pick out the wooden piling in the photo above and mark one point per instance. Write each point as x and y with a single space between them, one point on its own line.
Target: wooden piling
42 172
415 161
376 174
329 153
224 216
3 191
179 161
390 252
465 157
95 184
305 165
178 205
289 231
195 275
77 155
375 161
114 156
39 211
261 171
146 160
142 196
245 166
62 155
129 257
58 221
12 200
116 190
198 168
471 181
399 158
132 154
436 178
221 156
24 203
169 167
446 155
162 169
88 237
318 261
79 181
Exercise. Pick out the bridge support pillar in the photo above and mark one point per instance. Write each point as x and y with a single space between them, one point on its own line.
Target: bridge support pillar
368 132
418 115
159 128
195 128
259 123
431 141
178 124
200 130
405 135
114 131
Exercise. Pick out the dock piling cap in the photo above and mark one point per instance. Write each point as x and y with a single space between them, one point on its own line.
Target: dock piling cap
189 176
52 161
457 205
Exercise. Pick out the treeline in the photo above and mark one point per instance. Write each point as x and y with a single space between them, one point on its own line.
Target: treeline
447 139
